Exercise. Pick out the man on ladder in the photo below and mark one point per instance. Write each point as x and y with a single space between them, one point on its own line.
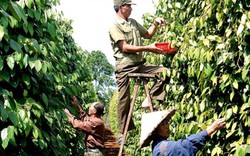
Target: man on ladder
126 38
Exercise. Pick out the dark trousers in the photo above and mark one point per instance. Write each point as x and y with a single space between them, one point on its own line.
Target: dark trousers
157 91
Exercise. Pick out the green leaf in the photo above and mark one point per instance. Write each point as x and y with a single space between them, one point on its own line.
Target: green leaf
243 75
241 151
35 132
10 61
44 67
178 5
1 63
28 3
218 16
4 113
25 60
44 51
243 19
206 42
74 90
16 46
235 84
5 143
208 70
32 62
216 151
35 45
13 118
1 32
248 24
11 130
4 137
22 114
225 77
38 1
229 134
42 143
202 106
29 126
228 32
235 109
188 95
4 76
30 28
49 119
26 79
220 46
18 57
240 29
68 91
229 113
13 22
46 135
211 37
231 96
234 126
18 12
214 80
26 28
38 105
38 65
37 15
52 29
45 99
36 112
4 133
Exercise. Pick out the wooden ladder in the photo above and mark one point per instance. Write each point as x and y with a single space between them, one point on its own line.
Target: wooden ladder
139 77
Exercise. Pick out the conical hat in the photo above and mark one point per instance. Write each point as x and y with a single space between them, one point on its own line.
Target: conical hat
150 121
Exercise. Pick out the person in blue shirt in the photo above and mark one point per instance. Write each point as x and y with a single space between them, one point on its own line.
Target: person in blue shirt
184 147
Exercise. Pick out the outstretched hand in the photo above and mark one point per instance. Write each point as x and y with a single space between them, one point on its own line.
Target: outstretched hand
67 112
69 115
155 49
74 102
216 125
160 20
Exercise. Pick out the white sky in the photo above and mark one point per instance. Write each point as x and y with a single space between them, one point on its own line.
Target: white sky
92 19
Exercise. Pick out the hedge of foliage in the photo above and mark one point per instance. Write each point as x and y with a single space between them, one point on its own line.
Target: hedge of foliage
40 68
209 74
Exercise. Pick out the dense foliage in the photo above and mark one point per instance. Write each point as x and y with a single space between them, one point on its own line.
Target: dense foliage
112 113
209 74
40 68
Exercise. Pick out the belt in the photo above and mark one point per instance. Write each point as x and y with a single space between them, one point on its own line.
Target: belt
93 150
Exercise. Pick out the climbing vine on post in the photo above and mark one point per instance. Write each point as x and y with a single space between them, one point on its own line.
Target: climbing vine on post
41 67
209 74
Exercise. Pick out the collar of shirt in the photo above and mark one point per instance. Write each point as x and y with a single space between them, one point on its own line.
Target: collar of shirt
122 21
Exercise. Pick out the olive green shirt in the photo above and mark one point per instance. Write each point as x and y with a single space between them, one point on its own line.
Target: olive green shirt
131 32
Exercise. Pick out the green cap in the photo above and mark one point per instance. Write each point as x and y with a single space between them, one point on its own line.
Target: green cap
121 2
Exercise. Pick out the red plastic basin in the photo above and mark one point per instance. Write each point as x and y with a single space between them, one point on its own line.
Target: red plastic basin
166 47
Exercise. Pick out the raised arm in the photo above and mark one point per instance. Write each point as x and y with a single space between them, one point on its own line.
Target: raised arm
198 140
79 109
75 104
152 30
127 48
216 125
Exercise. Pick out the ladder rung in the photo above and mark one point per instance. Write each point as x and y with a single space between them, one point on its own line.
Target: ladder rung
142 75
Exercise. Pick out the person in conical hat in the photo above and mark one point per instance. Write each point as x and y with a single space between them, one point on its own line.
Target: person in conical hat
158 131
